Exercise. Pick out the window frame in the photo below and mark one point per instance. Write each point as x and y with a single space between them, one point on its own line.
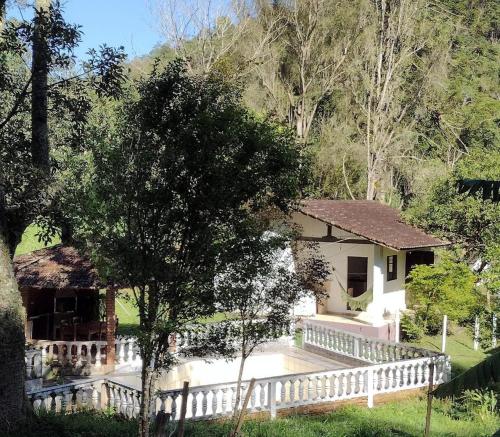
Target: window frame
392 260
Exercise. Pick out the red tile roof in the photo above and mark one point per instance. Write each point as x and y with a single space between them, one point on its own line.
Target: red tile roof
372 220
58 267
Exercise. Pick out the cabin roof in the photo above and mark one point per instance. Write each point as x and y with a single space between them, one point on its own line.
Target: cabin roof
57 267
372 220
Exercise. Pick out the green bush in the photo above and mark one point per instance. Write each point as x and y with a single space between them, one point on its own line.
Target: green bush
434 322
476 404
410 329
444 288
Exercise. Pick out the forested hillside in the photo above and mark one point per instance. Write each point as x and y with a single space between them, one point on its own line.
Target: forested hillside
387 97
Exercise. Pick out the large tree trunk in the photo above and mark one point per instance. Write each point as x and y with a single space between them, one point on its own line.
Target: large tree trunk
12 366
39 99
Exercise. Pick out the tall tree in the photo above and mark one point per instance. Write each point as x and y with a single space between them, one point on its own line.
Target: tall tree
315 37
25 160
394 35
39 89
12 315
169 198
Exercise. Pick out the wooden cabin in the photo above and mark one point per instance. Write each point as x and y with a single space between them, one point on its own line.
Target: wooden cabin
61 293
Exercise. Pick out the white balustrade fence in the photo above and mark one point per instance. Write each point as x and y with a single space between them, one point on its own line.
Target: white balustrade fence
270 394
68 398
391 367
371 350
91 353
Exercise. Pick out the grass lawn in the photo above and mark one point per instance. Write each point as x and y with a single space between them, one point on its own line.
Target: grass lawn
403 418
29 241
460 348
128 317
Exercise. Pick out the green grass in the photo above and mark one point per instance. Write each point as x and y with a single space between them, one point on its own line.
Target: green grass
403 418
128 317
85 424
459 346
30 242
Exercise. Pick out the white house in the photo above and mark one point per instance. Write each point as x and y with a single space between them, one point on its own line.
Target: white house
370 251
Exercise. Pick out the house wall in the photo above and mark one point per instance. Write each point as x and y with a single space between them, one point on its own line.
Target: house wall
389 296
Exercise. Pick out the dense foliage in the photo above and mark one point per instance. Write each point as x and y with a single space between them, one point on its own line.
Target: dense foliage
392 419
167 197
444 288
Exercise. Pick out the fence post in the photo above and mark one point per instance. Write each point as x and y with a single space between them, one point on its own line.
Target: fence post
476 333
445 327
271 396
44 361
494 333
397 323
369 388
185 393
429 400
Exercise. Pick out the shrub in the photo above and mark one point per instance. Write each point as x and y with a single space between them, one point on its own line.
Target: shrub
410 329
473 404
443 288
434 323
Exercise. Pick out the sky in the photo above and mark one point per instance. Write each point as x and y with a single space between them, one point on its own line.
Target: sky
127 23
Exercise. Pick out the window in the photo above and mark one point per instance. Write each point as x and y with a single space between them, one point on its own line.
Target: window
357 275
392 267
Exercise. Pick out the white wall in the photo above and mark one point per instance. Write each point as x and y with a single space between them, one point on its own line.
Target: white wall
389 296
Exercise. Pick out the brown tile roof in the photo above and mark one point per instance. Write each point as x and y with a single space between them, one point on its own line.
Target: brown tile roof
60 267
372 220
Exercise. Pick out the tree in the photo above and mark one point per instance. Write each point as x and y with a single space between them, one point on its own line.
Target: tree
25 160
464 219
258 290
314 39
202 32
167 198
444 288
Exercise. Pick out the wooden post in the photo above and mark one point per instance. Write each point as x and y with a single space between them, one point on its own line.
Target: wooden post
185 393
162 420
429 400
445 327
476 333
110 326
236 431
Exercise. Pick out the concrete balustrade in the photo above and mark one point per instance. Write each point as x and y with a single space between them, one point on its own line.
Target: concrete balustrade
390 367
371 350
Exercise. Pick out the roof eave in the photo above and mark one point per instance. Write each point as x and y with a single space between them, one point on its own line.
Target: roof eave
380 243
